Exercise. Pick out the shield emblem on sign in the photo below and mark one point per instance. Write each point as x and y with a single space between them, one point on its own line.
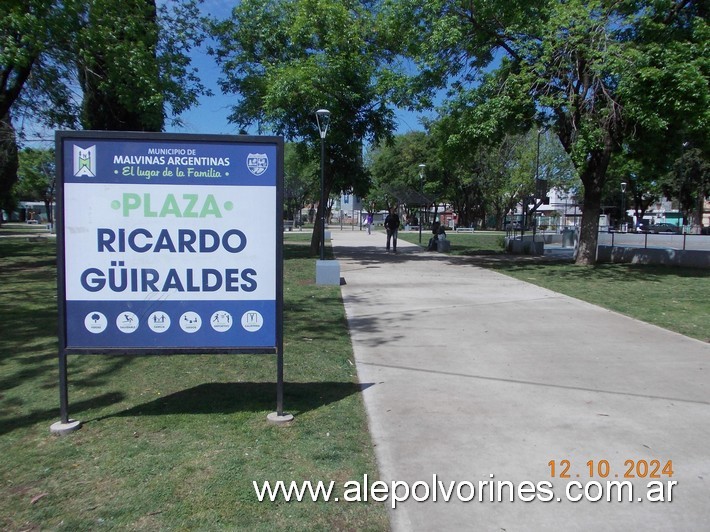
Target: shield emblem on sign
257 163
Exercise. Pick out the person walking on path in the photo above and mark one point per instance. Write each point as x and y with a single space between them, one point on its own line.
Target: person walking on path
392 226
369 223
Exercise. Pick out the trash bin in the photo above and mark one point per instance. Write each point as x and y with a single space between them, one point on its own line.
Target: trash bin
568 238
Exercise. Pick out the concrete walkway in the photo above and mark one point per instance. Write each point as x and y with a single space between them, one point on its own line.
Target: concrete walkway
473 376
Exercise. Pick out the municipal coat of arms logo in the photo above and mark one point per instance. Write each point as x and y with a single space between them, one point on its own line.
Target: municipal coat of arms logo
257 163
84 161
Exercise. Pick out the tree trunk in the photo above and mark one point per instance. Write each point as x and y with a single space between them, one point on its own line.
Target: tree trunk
9 163
700 210
315 238
592 173
48 208
593 177
589 229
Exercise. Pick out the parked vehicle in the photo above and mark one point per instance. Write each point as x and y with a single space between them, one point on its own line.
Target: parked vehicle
665 228
643 227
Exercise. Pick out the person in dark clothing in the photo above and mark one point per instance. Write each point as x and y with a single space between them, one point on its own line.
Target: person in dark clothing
434 239
392 226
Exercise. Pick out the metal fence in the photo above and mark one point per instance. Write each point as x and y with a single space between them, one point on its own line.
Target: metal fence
647 240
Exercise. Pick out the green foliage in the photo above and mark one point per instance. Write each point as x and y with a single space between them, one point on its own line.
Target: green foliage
395 170
133 63
582 67
689 182
33 35
286 59
9 162
667 99
34 39
118 68
142 55
182 29
643 182
301 184
476 178
36 175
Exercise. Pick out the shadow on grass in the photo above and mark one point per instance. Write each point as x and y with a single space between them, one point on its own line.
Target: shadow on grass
51 415
374 256
622 273
297 251
231 397
39 368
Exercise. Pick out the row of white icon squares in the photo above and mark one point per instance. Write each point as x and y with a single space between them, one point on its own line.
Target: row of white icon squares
159 322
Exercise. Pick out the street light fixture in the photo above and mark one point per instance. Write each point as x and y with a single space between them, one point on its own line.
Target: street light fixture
623 205
323 120
421 191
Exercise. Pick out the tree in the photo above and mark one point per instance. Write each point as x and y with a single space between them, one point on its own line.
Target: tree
34 35
668 102
635 166
118 67
573 65
36 178
490 177
133 65
477 179
689 183
127 64
286 59
300 179
398 178
9 163
394 166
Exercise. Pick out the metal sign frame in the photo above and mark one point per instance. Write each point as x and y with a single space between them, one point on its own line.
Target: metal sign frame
169 244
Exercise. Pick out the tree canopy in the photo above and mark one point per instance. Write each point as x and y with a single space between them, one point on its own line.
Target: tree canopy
118 68
34 40
36 178
133 64
573 66
286 59
128 60
622 84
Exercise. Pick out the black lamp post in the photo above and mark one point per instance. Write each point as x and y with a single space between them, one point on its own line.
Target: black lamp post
537 181
323 120
421 190
623 206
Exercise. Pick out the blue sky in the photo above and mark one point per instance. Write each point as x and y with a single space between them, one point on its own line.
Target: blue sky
210 116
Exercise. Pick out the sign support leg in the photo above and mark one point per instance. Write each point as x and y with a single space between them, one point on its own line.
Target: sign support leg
65 425
279 417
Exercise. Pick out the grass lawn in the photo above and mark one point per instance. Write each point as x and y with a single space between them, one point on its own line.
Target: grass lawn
175 442
670 297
